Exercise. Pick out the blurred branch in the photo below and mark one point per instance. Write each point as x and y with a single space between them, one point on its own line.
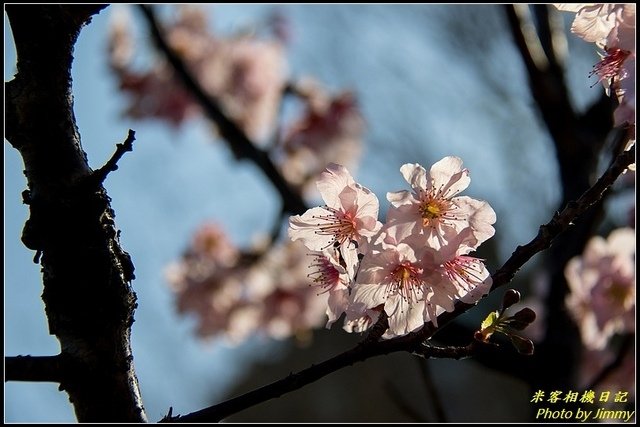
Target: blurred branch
415 342
31 368
578 140
237 140
575 149
89 301
551 35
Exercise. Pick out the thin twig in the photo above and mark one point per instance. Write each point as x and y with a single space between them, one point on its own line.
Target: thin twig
295 381
99 175
237 140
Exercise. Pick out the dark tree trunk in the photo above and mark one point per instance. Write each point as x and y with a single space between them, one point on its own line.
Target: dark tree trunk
86 274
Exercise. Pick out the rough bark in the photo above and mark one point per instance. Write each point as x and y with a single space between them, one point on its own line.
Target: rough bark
89 301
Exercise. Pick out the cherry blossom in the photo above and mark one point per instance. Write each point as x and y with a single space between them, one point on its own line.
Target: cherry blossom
612 27
594 21
433 209
392 276
359 318
330 129
348 220
284 297
247 75
328 274
623 377
602 284
206 280
454 274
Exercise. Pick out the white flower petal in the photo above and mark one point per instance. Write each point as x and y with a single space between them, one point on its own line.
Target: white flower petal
305 228
415 175
333 180
448 176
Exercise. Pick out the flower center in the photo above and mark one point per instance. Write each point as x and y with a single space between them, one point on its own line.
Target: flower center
340 225
620 294
464 271
610 66
324 274
434 211
405 281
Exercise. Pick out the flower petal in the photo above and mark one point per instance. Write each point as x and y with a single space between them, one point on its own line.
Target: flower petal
448 176
415 175
305 227
333 180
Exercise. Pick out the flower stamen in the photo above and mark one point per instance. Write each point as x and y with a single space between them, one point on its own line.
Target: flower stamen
405 281
610 66
325 275
341 225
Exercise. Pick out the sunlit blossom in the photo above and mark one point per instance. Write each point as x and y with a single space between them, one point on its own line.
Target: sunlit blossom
348 220
328 275
453 274
433 209
612 27
391 276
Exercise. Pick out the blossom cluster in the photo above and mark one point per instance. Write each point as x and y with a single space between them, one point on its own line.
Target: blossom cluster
415 266
236 294
248 75
341 260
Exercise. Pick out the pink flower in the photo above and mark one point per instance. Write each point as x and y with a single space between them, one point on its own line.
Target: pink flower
593 22
612 27
206 280
431 209
327 273
392 276
245 74
283 296
248 76
359 318
210 242
330 129
602 285
623 377
350 215
453 275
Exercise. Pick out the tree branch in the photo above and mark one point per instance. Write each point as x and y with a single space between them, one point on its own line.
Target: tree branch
87 293
575 149
100 175
578 141
36 369
414 342
237 140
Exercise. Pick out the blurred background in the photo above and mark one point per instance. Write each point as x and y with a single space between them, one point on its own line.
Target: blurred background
431 81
